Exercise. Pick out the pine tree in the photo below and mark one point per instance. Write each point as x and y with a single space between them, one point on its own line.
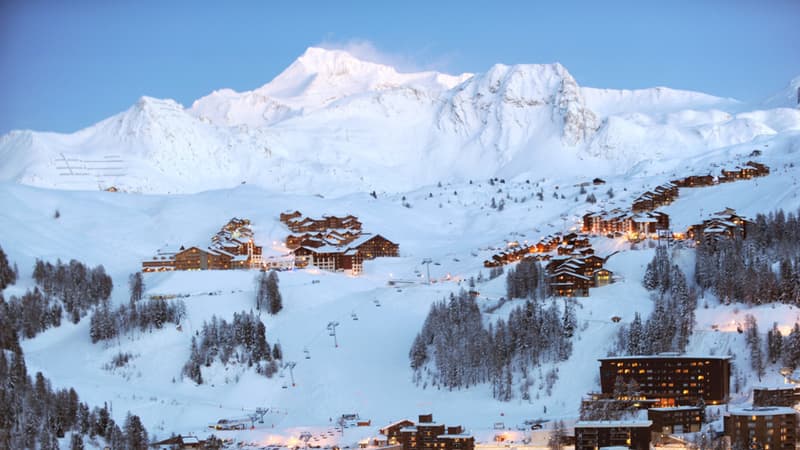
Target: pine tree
76 442
774 344
135 433
136 285
8 275
274 293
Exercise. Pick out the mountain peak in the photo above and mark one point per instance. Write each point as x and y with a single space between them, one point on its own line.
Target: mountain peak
333 63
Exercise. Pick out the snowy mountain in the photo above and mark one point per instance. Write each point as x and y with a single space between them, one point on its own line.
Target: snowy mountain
333 124
788 97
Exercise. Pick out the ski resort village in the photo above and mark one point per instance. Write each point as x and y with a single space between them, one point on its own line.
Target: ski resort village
355 256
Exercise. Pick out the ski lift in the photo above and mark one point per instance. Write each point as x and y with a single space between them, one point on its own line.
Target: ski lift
307 353
285 386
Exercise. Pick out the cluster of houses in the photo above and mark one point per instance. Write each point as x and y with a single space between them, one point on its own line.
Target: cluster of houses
574 274
660 196
675 389
427 435
747 171
333 243
570 272
516 252
232 247
725 224
623 222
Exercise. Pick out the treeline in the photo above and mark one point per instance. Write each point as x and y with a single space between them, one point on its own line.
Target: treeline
242 341
527 280
8 274
72 287
741 270
107 322
454 350
670 326
34 415
780 349
32 313
76 285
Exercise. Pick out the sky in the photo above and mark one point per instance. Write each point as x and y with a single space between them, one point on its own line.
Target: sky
67 65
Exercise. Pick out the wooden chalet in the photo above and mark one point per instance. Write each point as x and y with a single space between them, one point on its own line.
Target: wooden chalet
329 258
624 222
179 442
695 181
725 224
598 181
196 258
660 196
428 435
749 170
299 224
372 246
232 247
760 170
164 260
566 283
392 431
601 277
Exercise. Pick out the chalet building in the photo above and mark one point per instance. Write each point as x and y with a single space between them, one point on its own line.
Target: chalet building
592 435
601 277
759 170
329 258
773 428
375 246
288 216
392 431
749 170
232 247
298 224
788 395
179 442
619 221
672 379
598 181
428 435
164 260
660 196
195 258
695 181
566 283
725 224
676 419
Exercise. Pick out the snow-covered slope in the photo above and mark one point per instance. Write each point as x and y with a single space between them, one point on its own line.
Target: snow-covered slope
333 124
369 373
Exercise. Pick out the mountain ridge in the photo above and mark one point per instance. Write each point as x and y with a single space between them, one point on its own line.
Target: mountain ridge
331 123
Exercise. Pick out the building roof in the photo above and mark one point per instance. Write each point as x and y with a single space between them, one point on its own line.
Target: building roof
676 408
454 436
614 424
763 411
665 356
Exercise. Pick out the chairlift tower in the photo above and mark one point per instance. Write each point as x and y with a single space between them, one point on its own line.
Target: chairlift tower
290 365
332 328
427 262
